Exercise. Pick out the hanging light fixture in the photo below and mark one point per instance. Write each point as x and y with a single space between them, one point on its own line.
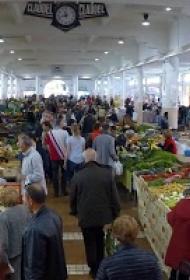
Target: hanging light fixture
146 22
121 42
168 9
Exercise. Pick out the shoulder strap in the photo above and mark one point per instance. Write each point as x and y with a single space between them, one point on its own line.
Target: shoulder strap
58 148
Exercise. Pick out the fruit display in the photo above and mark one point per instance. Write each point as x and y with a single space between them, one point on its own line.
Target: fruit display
170 194
14 186
8 151
168 186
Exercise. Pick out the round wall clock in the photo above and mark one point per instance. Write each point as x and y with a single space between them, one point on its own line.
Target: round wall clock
65 16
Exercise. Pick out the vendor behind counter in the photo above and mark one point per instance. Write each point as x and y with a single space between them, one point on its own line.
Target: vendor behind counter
169 144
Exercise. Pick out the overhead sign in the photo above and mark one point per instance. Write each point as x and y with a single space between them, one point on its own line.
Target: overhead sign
66 15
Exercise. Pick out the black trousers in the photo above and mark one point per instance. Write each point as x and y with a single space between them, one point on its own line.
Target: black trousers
94 247
180 276
58 177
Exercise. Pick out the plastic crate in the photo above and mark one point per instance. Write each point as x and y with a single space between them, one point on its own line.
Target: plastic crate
187 153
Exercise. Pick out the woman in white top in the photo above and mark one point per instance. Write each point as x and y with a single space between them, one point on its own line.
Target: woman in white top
75 149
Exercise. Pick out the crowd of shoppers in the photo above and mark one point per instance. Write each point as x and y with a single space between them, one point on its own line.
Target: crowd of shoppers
75 150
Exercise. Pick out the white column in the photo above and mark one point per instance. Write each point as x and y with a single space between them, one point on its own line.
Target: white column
75 85
170 90
37 85
139 95
4 86
110 84
19 88
123 89
11 85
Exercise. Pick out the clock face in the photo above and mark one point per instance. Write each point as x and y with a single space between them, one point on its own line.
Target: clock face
66 15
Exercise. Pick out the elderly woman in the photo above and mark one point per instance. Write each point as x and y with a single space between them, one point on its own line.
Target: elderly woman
129 262
12 224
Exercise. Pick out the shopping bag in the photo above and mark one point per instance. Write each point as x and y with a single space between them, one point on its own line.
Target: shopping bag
118 166
111 244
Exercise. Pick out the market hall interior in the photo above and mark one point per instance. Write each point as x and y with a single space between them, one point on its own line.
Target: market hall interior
132 54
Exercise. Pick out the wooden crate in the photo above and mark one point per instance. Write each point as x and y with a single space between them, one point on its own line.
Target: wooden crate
152 216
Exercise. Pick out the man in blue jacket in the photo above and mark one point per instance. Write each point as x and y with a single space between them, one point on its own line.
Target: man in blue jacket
43 254
129 262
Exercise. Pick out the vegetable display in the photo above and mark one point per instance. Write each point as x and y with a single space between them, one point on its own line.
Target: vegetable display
148 160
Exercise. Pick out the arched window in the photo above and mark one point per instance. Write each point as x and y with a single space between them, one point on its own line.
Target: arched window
55 87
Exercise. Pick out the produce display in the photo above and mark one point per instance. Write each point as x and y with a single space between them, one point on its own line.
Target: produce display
169 186
7 151
160 180
148 160
157 193
15 186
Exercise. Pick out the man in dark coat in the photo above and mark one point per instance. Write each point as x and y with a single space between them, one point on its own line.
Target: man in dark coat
43 254
88 124
94 199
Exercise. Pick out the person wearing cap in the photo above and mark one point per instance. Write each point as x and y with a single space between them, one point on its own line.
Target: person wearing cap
42 245
12 224
95 201
104 145
129 262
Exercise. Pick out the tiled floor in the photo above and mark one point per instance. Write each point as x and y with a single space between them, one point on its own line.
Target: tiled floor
69 236
78 269
72 236
73 240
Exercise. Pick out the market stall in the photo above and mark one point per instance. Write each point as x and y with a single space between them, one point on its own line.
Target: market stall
156 195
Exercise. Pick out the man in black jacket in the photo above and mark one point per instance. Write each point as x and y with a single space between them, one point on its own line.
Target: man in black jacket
88 124
43 254
94 199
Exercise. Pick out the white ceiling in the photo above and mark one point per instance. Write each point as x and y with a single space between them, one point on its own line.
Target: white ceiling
43 47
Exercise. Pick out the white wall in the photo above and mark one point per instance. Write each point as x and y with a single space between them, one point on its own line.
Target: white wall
87 85
84 85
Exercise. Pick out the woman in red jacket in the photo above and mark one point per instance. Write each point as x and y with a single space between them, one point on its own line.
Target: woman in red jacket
170 145
178 252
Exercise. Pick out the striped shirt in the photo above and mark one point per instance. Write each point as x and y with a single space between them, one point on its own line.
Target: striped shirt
130 263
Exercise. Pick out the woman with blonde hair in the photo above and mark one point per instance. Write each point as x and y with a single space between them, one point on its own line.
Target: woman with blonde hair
12 224
75 149
129 262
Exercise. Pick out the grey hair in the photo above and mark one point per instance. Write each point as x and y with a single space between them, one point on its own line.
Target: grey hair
26 140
